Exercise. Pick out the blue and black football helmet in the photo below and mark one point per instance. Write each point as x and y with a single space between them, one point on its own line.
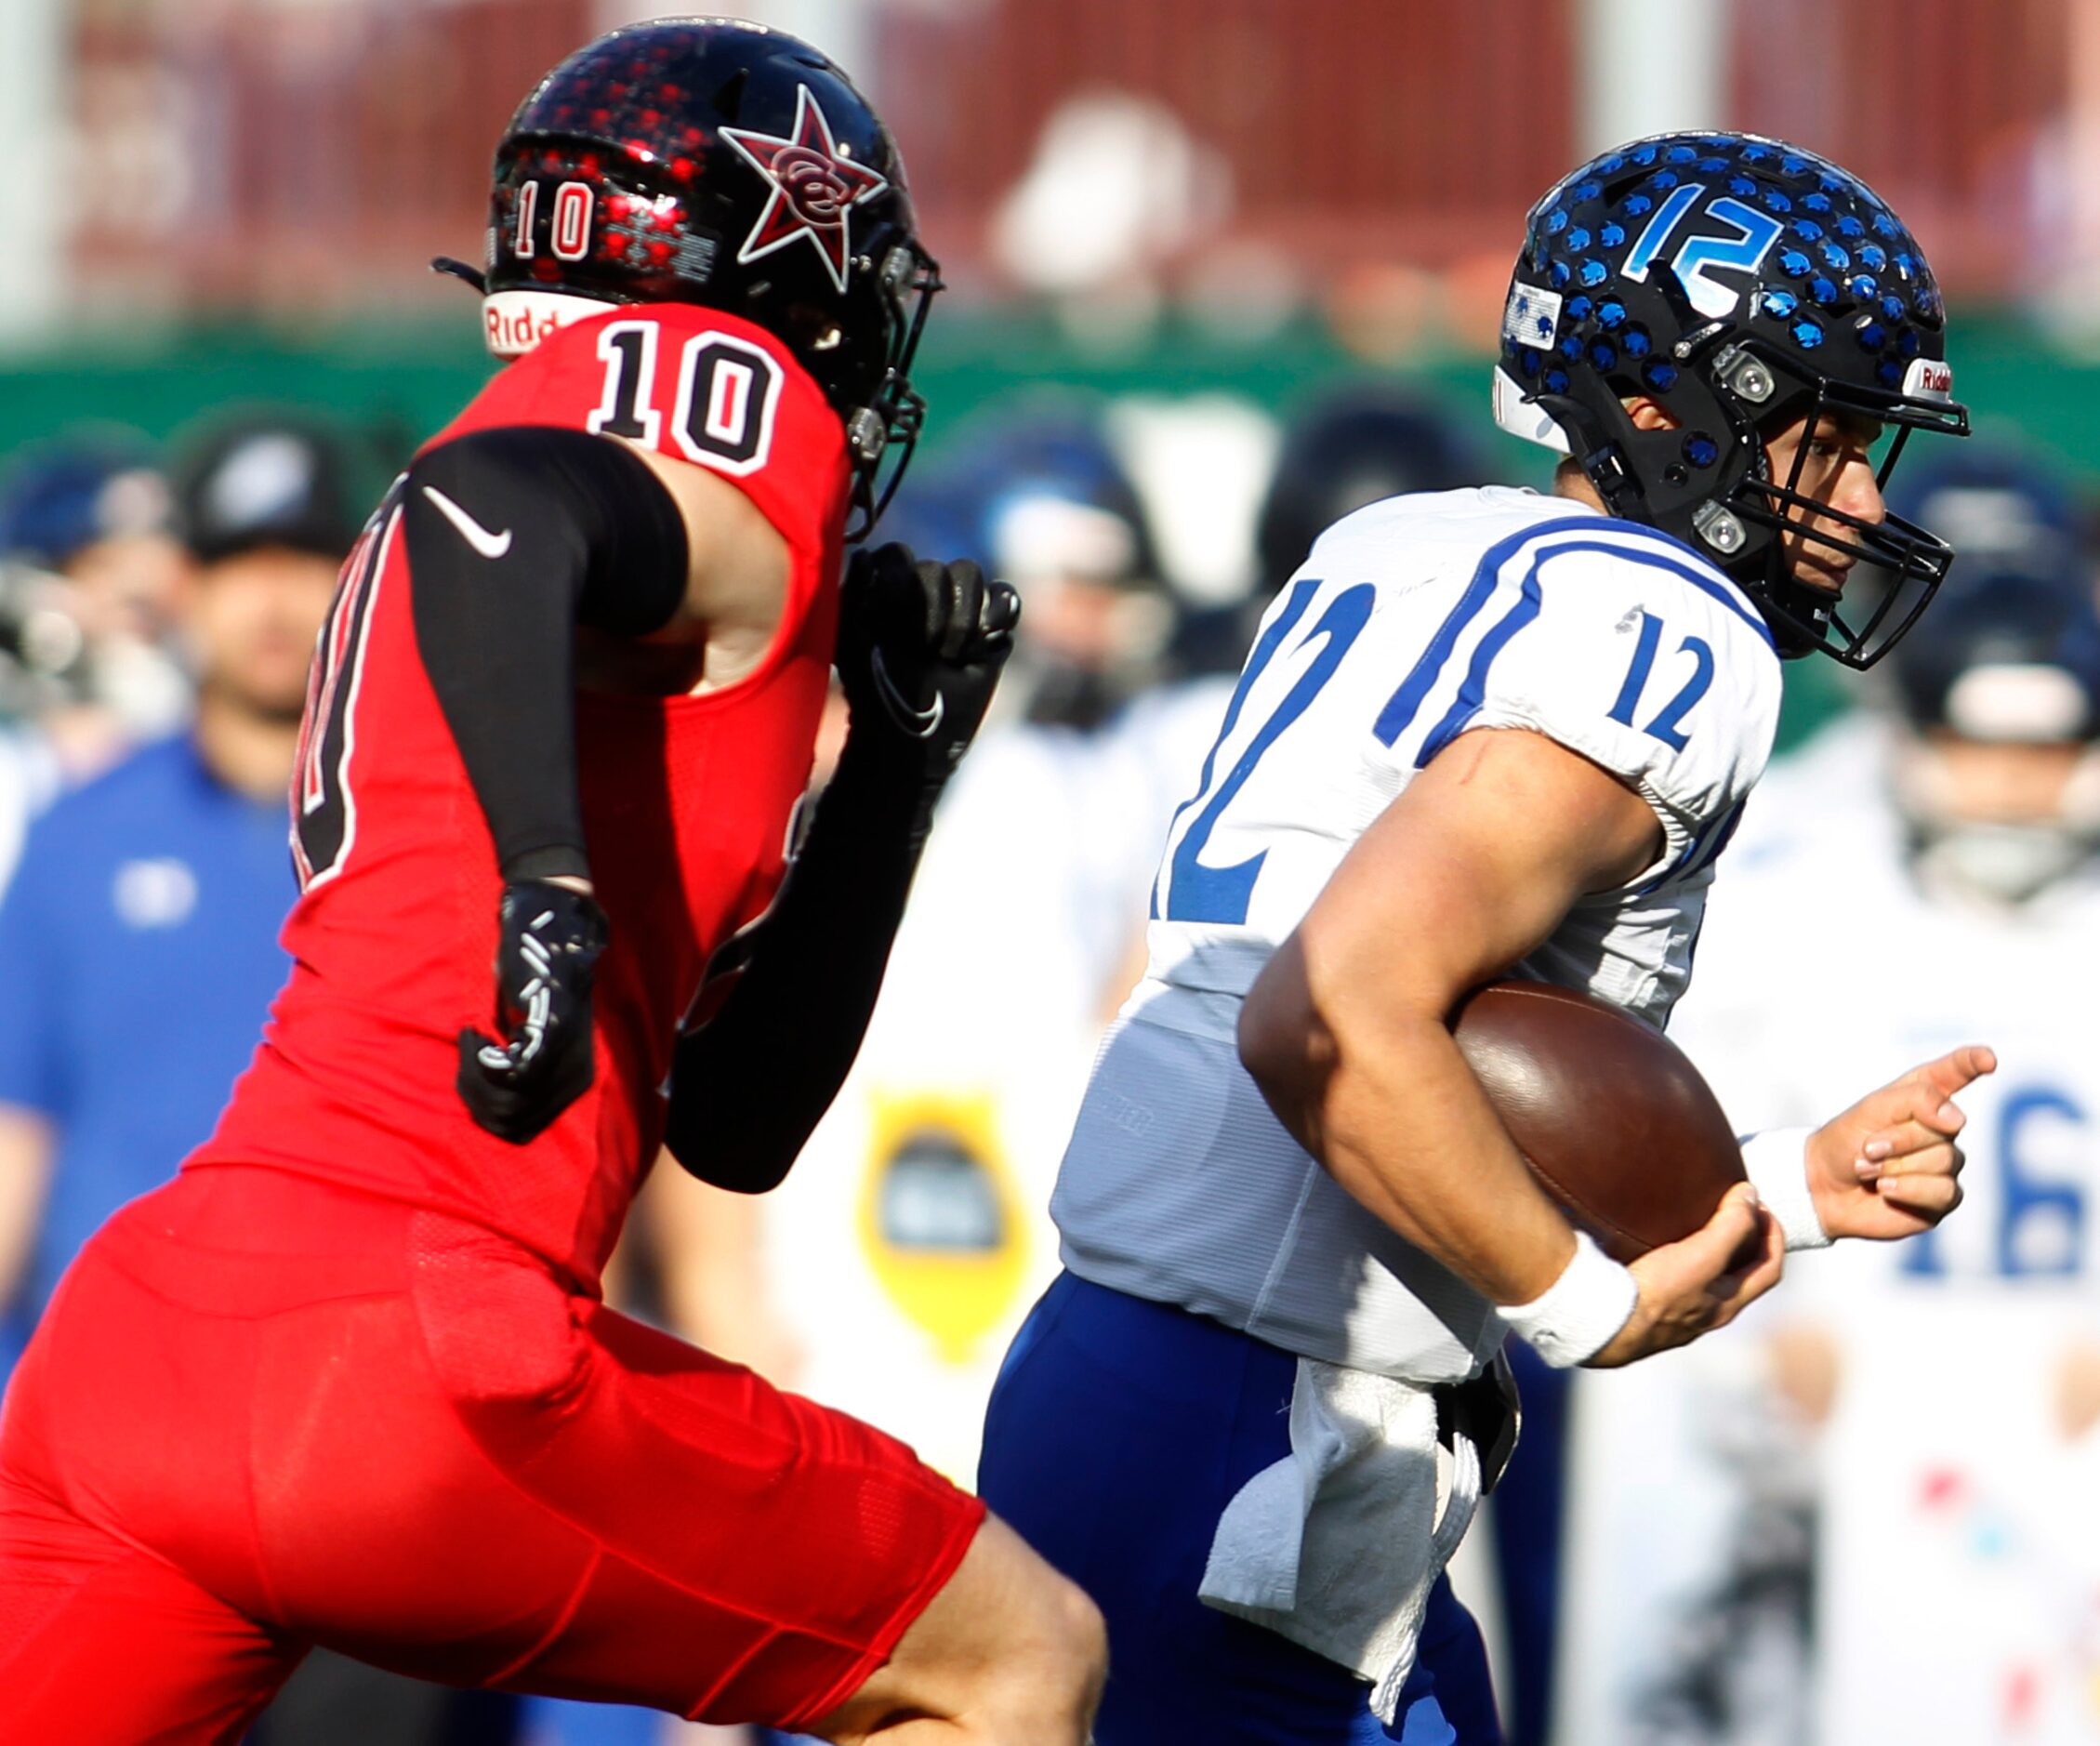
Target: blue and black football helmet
2009 656
1741 283
717 161
2018 620
1051 509
2001 505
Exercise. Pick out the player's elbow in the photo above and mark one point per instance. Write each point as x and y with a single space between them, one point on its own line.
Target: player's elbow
740 1163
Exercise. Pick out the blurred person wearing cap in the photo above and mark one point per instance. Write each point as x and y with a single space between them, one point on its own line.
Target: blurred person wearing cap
158 885
89 577
1799 1504
146 906
86 534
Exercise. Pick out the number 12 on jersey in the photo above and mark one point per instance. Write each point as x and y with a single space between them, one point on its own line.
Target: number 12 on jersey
1194 891
1667 721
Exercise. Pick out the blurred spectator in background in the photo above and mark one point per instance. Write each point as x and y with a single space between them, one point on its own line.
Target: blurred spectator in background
89 575
2005 511
1045 504
1116 188
141 930
2003 508
1845 1537
1349 448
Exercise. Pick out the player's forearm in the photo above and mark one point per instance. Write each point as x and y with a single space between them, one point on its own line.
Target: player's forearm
816 968
1386 1104
515 536
920 645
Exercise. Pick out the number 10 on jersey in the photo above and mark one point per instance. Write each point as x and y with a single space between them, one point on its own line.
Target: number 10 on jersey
723 406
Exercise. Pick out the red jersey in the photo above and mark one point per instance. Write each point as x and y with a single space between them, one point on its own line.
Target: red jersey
686 802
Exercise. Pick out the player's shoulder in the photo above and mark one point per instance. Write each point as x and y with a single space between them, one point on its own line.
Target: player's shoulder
695 383
1615 611
1433 527
1615 640
1577 560
1585 567
660 331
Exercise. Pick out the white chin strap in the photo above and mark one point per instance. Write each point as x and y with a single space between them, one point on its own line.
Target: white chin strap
514 322
1523 417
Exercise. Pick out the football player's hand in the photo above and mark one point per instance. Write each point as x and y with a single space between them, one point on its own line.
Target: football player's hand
920 645
549 938
1889 1167
1701 1282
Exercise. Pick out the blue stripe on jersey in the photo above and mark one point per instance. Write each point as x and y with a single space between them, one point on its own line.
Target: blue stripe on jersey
1720 839
1294 609
1466 704
1399 711
1662 552
1703 850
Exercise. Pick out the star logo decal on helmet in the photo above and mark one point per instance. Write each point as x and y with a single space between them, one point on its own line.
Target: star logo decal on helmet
816 187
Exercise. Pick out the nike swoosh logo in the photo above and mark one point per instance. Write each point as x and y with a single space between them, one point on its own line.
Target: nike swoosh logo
919 723
489 545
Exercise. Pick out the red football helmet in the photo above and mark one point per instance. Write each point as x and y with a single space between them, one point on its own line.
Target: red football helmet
720 163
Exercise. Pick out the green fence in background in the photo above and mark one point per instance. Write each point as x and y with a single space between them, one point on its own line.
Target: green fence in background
401 380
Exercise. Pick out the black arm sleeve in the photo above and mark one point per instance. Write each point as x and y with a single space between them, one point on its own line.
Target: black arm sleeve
515 536
813 979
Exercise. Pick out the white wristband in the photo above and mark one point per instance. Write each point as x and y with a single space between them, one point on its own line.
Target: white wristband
1776 1164
1576 1315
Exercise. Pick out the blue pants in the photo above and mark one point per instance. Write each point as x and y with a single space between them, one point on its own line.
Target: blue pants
1117 1432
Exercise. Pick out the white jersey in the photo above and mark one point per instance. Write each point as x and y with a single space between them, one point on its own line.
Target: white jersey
913 1234
1411 622
1956 1569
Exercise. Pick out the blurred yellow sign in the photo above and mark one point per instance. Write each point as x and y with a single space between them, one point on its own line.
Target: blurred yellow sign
939 1218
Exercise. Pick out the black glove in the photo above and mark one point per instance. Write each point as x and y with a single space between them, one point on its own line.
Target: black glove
920 645
547 954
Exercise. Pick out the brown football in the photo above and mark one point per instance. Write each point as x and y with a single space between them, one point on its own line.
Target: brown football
1612 1117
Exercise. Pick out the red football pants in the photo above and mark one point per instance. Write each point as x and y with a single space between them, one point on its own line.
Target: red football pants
264 1413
